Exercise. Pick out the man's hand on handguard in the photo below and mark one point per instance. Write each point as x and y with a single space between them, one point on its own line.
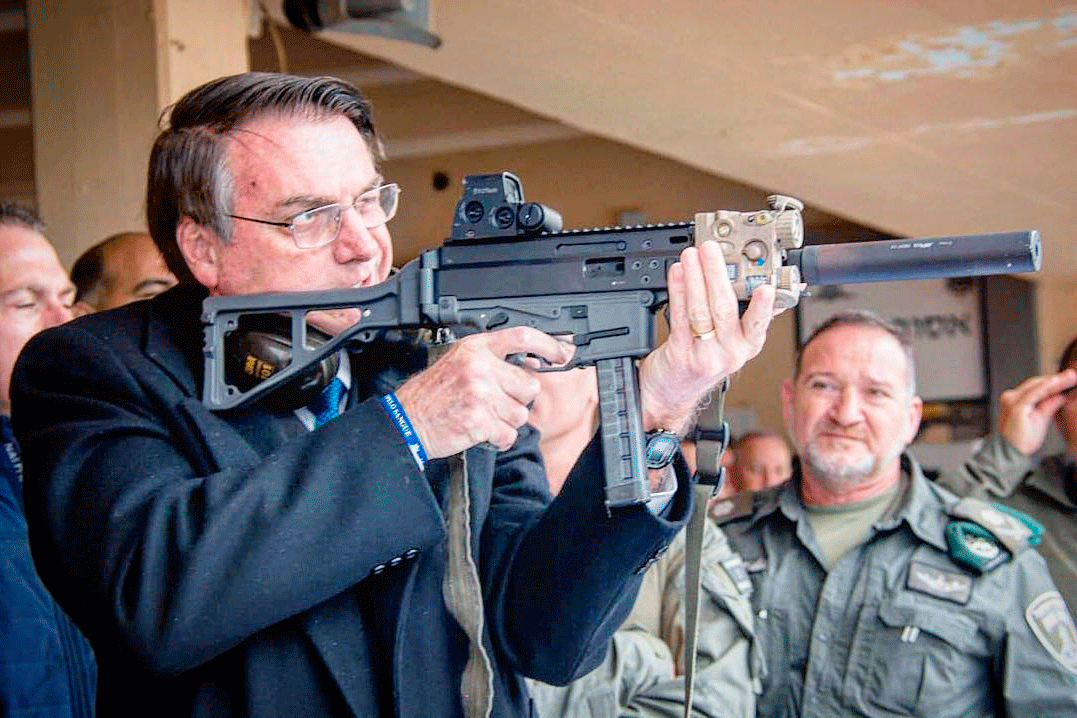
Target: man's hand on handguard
472 395
1025 411
708 338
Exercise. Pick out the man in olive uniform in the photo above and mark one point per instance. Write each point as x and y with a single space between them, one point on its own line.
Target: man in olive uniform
877 593
1005 468
642 675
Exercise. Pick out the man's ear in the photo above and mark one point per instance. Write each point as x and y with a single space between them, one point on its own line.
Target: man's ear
916 412
787 403
198 246
81 308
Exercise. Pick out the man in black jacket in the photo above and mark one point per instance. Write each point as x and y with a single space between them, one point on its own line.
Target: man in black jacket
276 562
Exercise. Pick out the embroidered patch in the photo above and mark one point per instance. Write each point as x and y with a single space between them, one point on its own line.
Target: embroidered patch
973 546
734 567
11 452
721 509
1050 620
947 585
1012 533
981 547
1007 528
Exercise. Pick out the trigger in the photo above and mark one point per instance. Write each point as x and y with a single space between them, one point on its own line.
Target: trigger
520 359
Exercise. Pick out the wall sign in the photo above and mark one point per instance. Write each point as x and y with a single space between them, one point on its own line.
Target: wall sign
942 318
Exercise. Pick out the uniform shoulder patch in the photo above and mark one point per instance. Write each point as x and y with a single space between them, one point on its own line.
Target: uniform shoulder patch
738 574
1051 622
734 507
973 546
934 581
1013 529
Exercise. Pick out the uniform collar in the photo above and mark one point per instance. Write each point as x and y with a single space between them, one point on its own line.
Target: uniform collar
922 505
784 498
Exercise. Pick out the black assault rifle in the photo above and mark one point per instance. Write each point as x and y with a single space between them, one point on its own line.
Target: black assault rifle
507 263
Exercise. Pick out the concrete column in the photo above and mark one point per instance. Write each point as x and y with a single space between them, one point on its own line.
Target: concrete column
102 71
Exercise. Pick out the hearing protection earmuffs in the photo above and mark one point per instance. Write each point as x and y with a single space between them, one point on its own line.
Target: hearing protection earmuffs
262 346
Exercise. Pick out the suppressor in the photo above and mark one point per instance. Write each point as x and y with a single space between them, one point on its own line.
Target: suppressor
930 258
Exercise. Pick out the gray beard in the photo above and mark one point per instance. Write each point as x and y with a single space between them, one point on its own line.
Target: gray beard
836 469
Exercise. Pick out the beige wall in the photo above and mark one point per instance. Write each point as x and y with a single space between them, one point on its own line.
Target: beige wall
101 72
588 180
92 123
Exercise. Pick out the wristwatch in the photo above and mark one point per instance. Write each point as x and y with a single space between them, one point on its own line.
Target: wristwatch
662 446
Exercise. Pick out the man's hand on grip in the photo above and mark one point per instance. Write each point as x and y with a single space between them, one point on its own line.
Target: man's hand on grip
473 395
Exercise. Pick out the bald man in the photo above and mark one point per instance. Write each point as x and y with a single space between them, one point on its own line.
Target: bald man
761 459
123 268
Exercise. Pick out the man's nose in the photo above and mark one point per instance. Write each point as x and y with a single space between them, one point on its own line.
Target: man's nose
57 313
847 407
356 240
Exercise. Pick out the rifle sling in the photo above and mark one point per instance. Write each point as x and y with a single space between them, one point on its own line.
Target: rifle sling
693 550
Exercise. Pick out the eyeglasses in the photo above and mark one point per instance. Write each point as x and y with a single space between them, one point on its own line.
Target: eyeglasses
321 226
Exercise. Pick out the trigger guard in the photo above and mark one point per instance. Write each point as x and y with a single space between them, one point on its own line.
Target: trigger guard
520 359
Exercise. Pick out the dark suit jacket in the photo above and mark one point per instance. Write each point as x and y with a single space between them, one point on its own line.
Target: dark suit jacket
234 564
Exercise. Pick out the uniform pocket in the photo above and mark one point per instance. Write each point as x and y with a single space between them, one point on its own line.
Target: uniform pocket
918 659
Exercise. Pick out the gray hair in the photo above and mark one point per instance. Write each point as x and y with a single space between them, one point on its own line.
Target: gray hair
862 318
188 174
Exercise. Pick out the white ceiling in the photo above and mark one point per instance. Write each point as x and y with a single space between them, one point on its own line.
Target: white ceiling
919 118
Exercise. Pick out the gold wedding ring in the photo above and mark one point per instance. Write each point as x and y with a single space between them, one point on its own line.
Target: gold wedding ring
710 334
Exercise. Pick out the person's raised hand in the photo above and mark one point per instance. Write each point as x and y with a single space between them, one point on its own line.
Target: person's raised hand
1025 411
708 338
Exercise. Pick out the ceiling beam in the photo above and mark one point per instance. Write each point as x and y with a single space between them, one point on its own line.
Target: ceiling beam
476 140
